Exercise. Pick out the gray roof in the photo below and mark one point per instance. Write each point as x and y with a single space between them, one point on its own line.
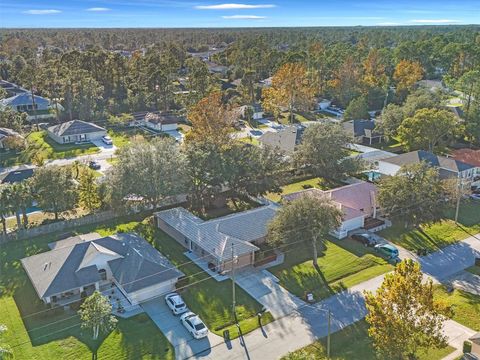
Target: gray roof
447 164
285 140
71 263
359 128
75 127
20 174
25 98
6 132
217 235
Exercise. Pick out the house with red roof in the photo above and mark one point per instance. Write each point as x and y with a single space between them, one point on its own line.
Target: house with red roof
356 201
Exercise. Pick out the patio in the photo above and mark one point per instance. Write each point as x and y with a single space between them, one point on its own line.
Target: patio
204 266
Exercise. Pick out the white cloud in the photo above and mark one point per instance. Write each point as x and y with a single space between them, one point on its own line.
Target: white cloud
434 21
42 12
248 17
234 6
98 9
388 24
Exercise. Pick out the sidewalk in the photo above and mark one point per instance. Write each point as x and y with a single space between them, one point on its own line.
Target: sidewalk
309 323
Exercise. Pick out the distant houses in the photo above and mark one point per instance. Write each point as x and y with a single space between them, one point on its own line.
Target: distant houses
5 134
156 120
284 140
38 107
363 131
76 131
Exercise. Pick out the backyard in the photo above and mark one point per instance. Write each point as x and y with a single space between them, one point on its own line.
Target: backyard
351 343
52 334
438 235
316 182
342 264
40 147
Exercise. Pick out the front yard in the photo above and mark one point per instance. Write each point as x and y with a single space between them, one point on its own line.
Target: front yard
41 147
53 334
466 306
436 236
342 263
353 343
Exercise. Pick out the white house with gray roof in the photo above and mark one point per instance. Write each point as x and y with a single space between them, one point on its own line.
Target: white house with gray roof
77 266
219 240
76 131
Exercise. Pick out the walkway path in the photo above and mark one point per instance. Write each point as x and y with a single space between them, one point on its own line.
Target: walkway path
308 323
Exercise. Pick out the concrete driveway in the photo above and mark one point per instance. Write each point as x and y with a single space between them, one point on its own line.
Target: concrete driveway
263 287
170 325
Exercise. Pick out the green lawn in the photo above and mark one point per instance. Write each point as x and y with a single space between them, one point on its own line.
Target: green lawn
436 236
392 145
125 137
284 118
41 146
466 306
474 270
317 182
353 343
250 140
136 338
342 264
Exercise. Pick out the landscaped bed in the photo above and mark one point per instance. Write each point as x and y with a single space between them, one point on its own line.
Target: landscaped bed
55 334
436 236
352 343
342 264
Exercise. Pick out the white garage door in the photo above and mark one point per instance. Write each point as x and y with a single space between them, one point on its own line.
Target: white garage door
158 290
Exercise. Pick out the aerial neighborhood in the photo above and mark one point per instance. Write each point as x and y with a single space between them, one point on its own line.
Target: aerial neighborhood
208 191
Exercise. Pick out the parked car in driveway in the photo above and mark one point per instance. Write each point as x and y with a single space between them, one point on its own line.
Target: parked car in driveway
194 325
94 165
389 251
365 238
176 303
107 140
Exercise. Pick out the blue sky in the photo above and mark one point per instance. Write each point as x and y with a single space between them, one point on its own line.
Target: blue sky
235 13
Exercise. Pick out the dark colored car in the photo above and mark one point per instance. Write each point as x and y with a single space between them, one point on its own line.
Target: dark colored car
365 238
94 165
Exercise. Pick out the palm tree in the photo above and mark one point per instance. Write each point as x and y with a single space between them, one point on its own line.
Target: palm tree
14 192
23 199
4 206
5 351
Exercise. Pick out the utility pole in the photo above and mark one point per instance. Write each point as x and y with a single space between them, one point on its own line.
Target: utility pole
234 307
459 198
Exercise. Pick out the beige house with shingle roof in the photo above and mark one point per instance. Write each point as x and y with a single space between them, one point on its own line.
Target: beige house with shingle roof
76 131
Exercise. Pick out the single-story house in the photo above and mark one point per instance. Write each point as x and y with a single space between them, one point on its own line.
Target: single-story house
357 202
215 68
22 102
79 265
363 131
76 131
161 121
156 120
11 88
448 167
219 240
284 140
20 174
475 351
7 133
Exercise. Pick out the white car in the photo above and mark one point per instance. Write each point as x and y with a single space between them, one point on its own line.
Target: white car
194 325
107 140
176 303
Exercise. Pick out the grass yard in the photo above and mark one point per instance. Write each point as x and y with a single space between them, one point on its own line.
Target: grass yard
53 334
474 270
250 140
318 183
392 145
353 343
436 236
342 263
40 146
123 138
466 306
